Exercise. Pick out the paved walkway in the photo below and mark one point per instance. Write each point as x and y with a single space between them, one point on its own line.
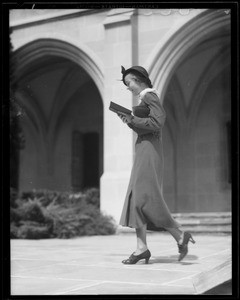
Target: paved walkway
92 265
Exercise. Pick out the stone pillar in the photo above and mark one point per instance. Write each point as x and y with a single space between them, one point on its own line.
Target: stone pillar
120 42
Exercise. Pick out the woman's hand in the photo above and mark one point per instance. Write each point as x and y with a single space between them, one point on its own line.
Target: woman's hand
125 117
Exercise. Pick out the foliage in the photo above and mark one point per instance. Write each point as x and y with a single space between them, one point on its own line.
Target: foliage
50 214
92 196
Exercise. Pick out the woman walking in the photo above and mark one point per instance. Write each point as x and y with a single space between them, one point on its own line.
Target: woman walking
144 207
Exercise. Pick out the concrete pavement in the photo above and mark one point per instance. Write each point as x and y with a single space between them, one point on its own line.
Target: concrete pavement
92 266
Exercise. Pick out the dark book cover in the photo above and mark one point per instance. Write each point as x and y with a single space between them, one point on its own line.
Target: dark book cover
118 108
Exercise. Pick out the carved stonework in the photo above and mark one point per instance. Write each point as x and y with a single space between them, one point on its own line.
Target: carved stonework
166 12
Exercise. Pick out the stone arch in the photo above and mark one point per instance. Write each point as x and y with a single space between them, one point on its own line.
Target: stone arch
38 50
166 56
82 56
204 30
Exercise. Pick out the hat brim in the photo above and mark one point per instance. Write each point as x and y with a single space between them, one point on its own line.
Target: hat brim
132 70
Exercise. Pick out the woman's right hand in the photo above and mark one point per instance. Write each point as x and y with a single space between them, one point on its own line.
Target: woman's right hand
125 118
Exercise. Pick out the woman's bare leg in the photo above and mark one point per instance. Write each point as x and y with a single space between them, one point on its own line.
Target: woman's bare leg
141 233
176 233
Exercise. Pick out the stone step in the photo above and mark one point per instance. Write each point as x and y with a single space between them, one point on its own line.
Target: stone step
203 215
212 277
195 229
207 229
211 222
207 222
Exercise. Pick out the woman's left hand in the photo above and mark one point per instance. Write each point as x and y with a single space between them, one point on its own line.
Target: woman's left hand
125 118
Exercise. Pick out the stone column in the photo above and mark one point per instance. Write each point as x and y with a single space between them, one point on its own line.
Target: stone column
120 43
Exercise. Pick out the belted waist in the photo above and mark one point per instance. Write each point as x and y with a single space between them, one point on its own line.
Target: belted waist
155 134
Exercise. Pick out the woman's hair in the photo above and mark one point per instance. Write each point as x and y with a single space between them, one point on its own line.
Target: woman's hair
142 79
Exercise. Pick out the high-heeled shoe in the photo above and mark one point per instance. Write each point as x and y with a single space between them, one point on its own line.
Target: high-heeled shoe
133 259
183 248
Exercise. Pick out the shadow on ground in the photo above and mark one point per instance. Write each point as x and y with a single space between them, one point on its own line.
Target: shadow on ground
172 259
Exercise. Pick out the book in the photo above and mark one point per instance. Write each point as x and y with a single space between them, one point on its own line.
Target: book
118 108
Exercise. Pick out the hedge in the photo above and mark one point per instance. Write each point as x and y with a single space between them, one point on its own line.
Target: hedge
42 214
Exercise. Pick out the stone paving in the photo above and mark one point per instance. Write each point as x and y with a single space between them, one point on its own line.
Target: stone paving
92 266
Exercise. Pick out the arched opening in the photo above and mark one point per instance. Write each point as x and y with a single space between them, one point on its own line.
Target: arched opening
192 71
211 142
177 46
59 98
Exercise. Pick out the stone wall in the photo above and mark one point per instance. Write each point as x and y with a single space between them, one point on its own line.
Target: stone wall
166 43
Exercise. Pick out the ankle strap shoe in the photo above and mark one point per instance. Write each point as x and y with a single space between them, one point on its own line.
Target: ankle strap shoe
183 248
133 259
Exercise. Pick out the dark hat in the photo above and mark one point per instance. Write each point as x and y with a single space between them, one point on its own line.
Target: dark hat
134 69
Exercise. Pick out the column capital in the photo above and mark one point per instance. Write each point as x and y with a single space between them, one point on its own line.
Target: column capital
116 16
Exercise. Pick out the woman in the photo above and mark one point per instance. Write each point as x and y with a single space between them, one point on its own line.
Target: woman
144 208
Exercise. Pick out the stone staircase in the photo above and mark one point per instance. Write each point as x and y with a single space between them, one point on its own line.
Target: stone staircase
212 222
206 223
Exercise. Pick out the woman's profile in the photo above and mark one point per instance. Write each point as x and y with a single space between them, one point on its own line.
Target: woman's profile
144 207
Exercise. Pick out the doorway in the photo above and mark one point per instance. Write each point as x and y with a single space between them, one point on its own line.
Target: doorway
85 160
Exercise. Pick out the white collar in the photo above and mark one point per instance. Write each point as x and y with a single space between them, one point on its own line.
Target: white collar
143 92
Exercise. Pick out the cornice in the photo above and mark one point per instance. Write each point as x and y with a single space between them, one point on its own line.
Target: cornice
40 17
117 16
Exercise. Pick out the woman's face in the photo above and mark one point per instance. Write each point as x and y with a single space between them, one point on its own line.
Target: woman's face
133 85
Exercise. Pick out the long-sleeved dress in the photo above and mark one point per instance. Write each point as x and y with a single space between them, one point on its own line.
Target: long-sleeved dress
144 202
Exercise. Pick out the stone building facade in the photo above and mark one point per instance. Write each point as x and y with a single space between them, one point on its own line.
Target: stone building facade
68 71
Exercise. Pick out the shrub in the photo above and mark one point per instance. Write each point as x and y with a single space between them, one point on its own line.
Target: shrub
92 197
48 214
32 210
15 215
33 230
13 231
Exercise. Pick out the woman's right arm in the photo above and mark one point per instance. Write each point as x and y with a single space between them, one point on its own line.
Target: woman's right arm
156 117
139 131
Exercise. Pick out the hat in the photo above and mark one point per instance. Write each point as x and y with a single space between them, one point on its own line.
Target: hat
135 69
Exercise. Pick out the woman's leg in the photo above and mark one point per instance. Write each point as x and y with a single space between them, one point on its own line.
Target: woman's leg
176 233
142 251
141 233
182 238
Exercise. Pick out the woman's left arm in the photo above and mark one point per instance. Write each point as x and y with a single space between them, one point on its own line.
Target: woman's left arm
156 117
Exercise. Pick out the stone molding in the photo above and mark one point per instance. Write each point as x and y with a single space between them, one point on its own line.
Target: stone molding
117 16
40 16
168 52
80 55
